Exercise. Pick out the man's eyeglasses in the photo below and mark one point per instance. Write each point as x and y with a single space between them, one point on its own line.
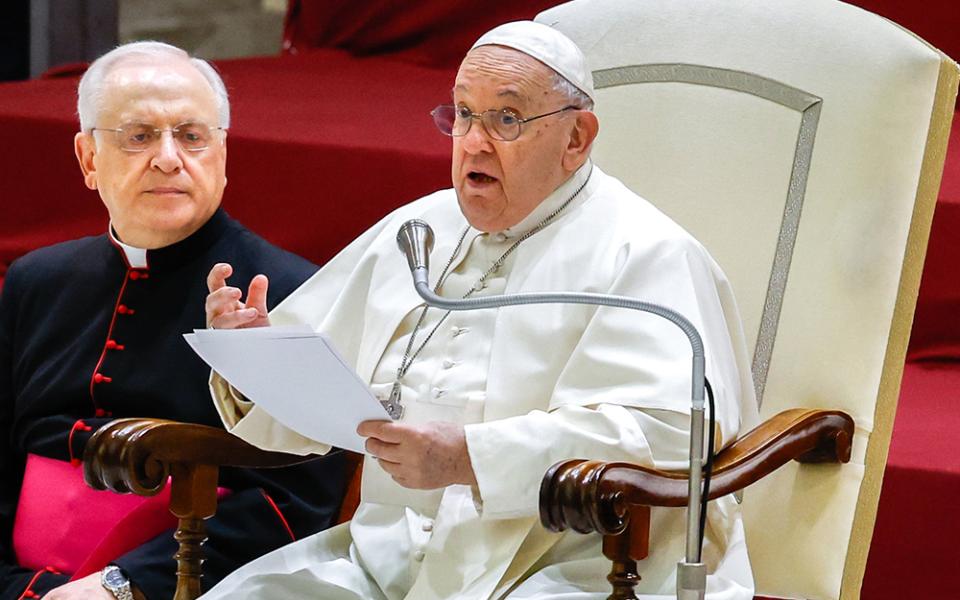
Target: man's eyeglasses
502 124
138 137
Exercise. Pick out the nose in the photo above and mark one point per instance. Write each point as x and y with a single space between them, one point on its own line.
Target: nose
167 157
476 139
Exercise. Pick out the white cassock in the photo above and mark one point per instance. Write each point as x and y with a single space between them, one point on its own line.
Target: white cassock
532 385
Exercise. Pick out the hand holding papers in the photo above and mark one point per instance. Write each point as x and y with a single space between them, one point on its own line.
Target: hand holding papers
296 376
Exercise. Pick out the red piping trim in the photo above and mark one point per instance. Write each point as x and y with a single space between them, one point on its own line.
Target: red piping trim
28 593
82 427
113 321
279 514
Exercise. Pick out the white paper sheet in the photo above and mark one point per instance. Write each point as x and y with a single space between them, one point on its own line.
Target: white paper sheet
296 376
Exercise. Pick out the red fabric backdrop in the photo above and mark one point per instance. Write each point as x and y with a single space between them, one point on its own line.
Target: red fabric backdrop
434 33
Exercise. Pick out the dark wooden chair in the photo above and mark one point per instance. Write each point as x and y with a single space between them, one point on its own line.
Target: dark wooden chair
140 456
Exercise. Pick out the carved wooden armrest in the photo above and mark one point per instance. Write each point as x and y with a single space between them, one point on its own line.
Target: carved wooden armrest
139 455
614 498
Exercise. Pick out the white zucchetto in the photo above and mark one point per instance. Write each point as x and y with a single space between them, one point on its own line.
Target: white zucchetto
547 45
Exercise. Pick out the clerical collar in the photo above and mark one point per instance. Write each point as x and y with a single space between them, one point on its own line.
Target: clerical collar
179 252
551 203
136 257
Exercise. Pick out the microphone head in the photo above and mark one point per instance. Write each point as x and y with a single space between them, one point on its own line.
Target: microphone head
415 239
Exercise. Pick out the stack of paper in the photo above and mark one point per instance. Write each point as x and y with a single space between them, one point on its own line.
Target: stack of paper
296 376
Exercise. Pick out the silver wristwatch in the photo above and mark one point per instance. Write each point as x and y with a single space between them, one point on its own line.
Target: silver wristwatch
113 579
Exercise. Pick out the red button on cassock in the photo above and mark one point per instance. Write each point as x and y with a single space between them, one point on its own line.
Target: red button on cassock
101 378
134 275
123 309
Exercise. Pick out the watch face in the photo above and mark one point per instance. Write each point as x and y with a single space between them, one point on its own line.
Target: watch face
114 578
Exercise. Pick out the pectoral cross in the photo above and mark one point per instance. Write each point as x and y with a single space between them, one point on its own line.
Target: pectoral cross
392 404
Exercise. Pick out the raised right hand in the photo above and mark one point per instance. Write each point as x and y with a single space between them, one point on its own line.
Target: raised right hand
225 310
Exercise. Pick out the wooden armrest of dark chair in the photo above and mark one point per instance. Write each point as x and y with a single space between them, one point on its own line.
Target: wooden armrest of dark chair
138 456
614 498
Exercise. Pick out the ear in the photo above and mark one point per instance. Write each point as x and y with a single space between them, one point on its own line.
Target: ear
85 147
224 142
582 134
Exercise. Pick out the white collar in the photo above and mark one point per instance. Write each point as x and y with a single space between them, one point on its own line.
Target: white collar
136 257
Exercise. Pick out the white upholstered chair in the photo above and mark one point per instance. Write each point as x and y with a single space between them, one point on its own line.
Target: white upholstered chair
802 141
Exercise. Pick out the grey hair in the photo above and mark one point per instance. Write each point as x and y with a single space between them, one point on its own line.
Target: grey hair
571 93
90 90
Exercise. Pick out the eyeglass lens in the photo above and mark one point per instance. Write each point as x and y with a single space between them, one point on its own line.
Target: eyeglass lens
456 121
137 137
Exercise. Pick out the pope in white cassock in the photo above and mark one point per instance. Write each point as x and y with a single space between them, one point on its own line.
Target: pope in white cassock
491 399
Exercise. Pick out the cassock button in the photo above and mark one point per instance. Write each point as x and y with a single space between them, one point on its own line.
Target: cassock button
427 526
134 275
437 392
113 345
448 364
101 378
419 555
123 309
499 238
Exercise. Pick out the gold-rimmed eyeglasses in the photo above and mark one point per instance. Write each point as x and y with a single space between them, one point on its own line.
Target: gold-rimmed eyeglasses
191 136
501 124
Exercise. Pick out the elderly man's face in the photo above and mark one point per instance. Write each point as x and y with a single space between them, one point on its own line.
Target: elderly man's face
499 183
163 194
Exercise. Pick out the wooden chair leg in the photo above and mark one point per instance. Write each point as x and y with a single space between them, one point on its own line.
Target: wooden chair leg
624 550
191 534
193 498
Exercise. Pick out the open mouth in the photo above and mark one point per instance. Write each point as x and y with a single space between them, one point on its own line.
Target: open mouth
480 177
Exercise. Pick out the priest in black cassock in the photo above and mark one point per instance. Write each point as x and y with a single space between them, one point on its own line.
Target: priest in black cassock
90 331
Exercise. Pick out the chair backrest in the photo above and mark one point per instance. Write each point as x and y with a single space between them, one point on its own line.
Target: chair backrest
802 141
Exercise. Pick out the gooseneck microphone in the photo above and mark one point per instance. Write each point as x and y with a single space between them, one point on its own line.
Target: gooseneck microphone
415 239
